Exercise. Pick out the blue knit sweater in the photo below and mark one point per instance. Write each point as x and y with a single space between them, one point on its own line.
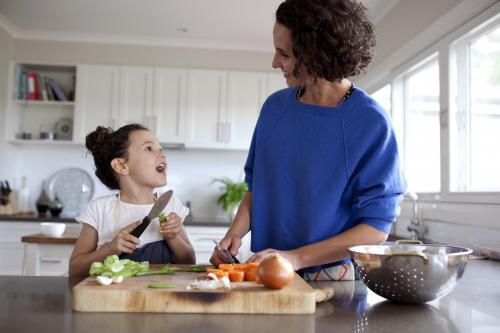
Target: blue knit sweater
317 171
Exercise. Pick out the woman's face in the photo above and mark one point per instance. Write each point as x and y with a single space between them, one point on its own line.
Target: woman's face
283 55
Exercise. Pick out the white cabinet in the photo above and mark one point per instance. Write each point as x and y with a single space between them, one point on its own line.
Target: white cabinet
97 99
136 96
206 109
169 105
46 259
118 95
223 107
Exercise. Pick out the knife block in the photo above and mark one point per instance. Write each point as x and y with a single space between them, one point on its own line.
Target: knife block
11 207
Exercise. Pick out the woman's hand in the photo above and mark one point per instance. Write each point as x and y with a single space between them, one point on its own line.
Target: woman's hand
124 242
230 242
291 256
171 227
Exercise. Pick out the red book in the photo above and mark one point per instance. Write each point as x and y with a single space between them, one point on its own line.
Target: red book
31 85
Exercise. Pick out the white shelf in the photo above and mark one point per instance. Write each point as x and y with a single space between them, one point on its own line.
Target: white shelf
44 103
45 142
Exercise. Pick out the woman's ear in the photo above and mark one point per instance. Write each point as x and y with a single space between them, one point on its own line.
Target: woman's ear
119 166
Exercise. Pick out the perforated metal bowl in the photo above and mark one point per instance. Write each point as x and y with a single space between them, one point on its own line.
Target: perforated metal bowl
410 273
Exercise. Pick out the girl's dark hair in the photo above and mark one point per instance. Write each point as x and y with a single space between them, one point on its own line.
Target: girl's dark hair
332 39
105 145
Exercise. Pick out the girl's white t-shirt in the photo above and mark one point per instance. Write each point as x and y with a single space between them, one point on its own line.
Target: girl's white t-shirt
102 212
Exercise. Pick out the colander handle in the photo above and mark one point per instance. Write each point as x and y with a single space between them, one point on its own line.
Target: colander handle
400 254
408 241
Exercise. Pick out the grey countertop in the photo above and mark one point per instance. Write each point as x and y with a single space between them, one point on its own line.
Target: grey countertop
43 304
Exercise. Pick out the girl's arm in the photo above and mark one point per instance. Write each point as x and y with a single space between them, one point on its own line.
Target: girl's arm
85 253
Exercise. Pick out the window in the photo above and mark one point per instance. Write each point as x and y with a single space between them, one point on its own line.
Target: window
422 128
475 114
383 97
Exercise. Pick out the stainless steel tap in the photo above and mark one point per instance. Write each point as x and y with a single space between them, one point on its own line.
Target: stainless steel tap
416 226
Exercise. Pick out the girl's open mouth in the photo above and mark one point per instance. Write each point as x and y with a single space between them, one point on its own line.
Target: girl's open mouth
161 168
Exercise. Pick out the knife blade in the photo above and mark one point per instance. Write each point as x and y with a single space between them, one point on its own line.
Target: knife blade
158 206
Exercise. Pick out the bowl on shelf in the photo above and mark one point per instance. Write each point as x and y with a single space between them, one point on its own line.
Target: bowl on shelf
52 229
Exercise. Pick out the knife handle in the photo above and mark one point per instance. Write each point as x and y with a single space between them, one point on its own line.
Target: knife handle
137 232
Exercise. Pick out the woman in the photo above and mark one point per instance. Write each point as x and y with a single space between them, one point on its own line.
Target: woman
322 170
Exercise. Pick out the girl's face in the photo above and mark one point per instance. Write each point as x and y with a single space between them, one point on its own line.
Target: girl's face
146 160
283 55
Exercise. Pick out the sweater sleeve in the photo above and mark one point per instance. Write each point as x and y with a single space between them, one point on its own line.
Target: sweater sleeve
375 173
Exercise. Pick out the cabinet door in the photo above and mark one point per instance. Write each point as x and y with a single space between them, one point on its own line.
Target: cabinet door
169 105
274 82
206 109
97 99
246 93
136 96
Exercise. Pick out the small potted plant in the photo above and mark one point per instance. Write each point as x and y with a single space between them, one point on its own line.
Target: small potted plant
232 196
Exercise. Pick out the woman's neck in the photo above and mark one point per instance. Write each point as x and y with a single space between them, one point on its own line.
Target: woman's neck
137 196
325 93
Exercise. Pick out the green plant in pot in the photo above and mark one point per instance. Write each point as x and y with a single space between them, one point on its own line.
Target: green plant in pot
232 196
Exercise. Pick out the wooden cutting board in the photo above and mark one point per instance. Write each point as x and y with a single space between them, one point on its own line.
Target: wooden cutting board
133 295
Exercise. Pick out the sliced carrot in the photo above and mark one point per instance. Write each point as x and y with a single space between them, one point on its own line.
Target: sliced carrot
236 276
251 266
226 267
219 273
251 276
213 270
238 267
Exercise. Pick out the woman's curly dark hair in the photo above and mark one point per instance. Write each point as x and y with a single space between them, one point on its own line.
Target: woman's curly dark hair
332 39
105 145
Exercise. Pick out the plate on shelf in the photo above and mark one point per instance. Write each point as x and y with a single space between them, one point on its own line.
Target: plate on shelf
74 187
64 129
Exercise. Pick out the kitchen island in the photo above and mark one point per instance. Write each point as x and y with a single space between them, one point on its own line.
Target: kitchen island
43 304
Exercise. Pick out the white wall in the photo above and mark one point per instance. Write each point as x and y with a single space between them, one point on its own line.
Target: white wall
189 172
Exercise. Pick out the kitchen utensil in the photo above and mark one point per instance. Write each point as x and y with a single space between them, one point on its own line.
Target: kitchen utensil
232 259
410 273
158 206
3 194
52 229
74 187
133 295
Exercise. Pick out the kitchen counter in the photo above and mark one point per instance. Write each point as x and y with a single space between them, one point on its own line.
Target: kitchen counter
66 238
34 218
43 304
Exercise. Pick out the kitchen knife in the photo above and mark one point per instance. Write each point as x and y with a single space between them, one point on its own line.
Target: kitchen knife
232 259
158 207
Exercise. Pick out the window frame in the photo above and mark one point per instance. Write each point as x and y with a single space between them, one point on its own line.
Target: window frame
444 49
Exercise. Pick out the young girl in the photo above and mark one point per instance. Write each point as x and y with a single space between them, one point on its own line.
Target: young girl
130 160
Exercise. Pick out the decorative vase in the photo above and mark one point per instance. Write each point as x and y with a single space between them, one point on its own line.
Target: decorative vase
55 207
43 202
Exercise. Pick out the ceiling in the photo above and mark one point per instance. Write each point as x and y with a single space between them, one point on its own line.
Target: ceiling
220 24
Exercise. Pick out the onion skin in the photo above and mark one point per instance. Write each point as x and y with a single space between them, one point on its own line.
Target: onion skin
275 272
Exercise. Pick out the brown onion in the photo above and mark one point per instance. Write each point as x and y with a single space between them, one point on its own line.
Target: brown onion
275 272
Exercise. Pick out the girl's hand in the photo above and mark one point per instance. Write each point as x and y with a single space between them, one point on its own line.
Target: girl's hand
124 242
230 242
288 255
171 227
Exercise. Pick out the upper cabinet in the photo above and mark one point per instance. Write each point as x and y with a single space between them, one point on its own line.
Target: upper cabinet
41 103
97 101
197 108
117 95
223 106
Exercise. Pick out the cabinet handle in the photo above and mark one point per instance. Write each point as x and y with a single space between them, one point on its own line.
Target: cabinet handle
227 135
220 132
51 260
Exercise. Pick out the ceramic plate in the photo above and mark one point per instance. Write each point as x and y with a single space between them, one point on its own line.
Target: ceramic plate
74 187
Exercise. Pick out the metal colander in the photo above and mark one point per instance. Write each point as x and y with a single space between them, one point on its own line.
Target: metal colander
410 273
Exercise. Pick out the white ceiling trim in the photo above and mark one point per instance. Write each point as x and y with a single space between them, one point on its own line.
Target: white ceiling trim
140 40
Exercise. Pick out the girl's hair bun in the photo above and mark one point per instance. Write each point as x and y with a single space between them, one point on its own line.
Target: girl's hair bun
96 139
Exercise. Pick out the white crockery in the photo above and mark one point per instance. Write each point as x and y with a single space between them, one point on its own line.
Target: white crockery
52 229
